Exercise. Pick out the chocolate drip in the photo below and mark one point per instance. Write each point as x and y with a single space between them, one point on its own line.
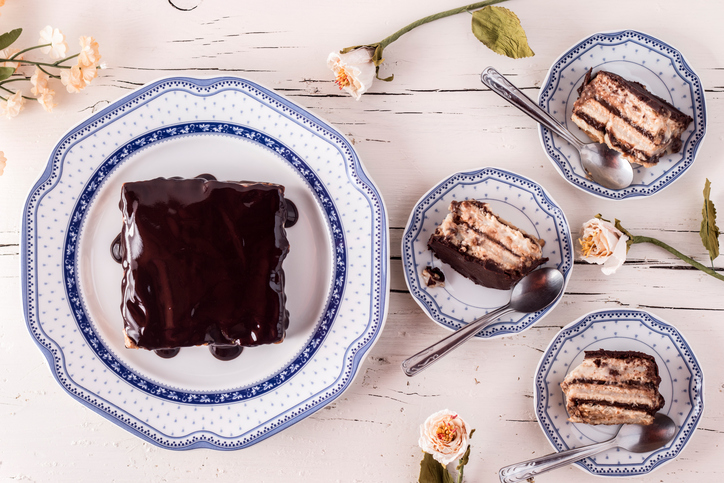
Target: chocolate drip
167 353
117 249
292 214
225 352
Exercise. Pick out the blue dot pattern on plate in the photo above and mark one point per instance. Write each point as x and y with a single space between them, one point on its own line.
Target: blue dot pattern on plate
523 198
682 386
637 57
76 172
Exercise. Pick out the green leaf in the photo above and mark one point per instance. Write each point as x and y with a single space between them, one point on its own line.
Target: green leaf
7 39
431 471
500 30
6 72
709 231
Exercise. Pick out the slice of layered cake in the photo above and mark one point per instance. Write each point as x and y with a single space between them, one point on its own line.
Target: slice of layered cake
613 387
483 247
628 118
202 264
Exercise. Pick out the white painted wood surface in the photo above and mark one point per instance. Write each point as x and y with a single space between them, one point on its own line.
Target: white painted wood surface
434 119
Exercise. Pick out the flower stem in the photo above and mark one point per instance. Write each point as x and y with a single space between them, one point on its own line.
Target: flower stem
11 92
57 64
32 62
672 250
388 40
52 76
29 49
15 79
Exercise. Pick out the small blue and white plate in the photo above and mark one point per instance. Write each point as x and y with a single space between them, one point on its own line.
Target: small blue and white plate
515 198
636 57
682 386
336 270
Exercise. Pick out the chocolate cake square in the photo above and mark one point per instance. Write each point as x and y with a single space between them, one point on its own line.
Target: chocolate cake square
202 263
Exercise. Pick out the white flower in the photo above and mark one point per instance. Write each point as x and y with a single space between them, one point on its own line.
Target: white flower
13 105
3 160
444 436
56 39
604 244
353 71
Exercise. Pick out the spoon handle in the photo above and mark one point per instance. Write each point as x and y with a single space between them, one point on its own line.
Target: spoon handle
427 357
528 469
501 86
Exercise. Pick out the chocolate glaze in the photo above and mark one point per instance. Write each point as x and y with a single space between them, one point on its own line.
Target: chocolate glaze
203 263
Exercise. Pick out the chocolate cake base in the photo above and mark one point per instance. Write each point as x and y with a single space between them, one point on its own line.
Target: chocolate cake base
482 272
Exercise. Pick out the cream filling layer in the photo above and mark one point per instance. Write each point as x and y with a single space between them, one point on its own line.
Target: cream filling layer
623 371
470 242
637 111
490 225
597 414
641 396
617 127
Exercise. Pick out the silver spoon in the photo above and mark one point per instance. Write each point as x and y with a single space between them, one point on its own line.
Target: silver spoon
604 165
631 437
532 293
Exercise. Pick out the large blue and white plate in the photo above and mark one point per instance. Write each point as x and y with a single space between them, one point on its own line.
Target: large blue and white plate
682 386
637 57
515 198
336 271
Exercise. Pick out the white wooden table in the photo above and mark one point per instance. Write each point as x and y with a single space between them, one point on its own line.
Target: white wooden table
434 119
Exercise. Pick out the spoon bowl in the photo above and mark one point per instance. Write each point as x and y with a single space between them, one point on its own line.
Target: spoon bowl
603 165
631 437
532 293
644 439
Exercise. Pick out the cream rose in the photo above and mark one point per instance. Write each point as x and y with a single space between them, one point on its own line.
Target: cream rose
354 71
444 436
3 160
604 244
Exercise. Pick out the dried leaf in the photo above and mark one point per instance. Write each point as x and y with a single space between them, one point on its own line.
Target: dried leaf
7 39
431 471
6 72
709 231
500 30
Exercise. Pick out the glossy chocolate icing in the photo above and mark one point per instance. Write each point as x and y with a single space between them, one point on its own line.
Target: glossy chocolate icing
202 263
